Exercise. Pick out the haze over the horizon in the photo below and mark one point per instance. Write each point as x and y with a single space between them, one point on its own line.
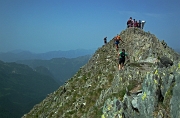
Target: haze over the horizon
49 25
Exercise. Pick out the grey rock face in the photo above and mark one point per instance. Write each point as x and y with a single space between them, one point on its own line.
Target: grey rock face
166 61
156 88
175 101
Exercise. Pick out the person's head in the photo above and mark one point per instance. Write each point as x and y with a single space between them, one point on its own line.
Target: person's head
130 18
123 50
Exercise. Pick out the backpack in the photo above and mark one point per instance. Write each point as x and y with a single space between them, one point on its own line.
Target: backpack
123 55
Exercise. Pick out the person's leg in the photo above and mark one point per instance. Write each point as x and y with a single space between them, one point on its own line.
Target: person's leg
115 43
122 64
119 66
116 46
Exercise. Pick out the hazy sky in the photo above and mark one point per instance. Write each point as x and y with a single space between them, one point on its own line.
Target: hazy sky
51 25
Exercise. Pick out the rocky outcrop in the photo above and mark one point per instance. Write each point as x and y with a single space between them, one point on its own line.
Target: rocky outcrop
158 98
165 62
147 87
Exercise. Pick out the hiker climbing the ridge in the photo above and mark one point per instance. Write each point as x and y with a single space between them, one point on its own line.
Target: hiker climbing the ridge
117 41
105 40
122 57
118 38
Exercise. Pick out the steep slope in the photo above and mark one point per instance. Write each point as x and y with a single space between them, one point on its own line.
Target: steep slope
98 89
21 88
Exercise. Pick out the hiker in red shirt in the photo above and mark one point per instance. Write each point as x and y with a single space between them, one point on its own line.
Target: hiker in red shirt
129 22
136 24
133 22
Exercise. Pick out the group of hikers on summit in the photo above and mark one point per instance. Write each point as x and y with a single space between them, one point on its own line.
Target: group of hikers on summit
134 23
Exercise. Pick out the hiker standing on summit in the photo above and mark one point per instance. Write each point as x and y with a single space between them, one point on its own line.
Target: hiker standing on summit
143 22
130 22
122 57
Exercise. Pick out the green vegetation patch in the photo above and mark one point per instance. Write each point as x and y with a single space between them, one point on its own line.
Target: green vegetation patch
97 112
135 64
132 84
140 64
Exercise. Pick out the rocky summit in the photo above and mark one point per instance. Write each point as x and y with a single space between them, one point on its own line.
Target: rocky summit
148 87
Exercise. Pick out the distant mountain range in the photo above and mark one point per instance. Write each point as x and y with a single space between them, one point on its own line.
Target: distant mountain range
21 88
16 55
60 68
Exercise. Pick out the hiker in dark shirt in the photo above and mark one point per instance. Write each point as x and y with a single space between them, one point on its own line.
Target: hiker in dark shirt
122 57
105 40
139 24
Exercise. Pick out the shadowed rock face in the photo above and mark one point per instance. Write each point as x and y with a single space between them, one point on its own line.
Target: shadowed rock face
144 89
166 61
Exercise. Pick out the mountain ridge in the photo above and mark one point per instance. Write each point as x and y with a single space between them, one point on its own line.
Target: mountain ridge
98 89
16 55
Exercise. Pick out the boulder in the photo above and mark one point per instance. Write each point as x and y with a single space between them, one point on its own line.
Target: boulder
165 61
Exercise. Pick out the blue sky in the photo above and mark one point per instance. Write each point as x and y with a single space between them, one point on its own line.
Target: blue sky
51 25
